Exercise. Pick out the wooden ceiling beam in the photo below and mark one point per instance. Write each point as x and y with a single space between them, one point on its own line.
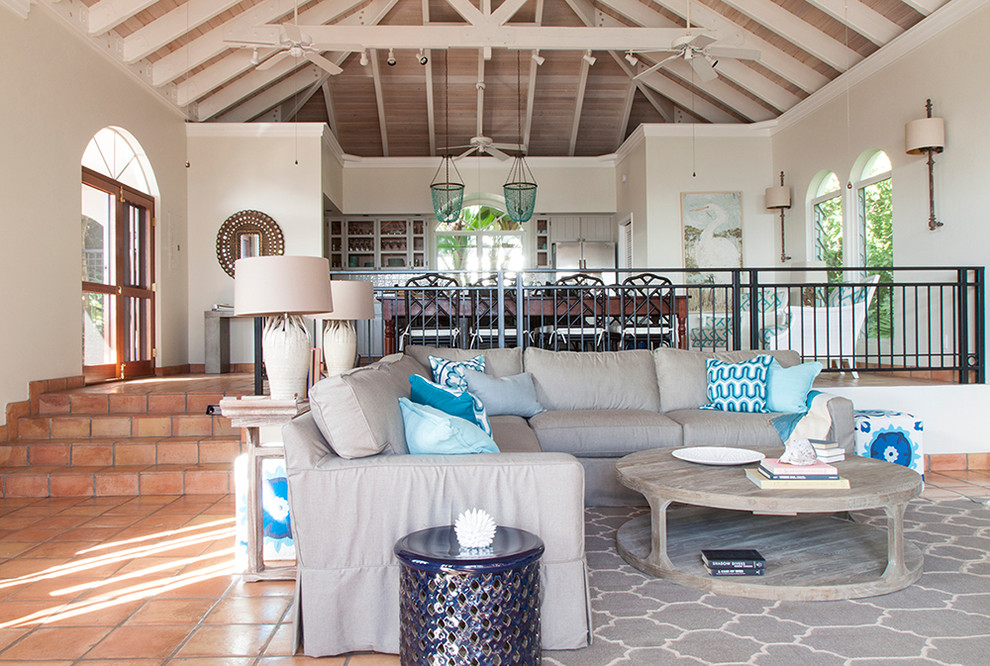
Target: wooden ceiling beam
661 105
328 102
246 85
267 99
627 105
798 31
534 68
862 18
722 91
924 7
300 100
578 105
771 57
379 99
479 124
106 15
697 106
212 43
431 120
507 10
146 40
467 11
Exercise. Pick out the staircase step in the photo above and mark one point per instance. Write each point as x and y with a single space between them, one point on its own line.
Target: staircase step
127 480
83 403
117 452
77 426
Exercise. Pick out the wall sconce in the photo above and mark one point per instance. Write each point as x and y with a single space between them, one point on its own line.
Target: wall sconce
779 197
927 135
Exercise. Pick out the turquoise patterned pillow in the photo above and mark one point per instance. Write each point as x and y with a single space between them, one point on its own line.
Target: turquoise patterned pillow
450 373
738 387
451 401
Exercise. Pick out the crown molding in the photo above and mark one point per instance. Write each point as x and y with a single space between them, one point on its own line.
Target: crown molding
490 163
333 146
20 7
935 23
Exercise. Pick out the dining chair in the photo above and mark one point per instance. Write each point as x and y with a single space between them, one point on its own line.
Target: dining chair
485 312
432 311
646 312
579 318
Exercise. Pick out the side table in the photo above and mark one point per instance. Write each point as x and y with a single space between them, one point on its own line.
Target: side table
252 413
473 607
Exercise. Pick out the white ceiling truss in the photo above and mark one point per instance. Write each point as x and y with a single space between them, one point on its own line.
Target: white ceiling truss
202 57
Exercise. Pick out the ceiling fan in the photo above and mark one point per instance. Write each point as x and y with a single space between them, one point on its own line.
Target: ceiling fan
486 145
291 42
700 51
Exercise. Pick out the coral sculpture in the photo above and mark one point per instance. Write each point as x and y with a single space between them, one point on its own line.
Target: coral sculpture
474 529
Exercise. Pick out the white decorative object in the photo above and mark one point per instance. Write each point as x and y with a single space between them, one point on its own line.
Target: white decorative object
799 452
352 299
718 455
285 344
474 529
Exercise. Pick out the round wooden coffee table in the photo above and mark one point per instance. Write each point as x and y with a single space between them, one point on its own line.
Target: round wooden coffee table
814 551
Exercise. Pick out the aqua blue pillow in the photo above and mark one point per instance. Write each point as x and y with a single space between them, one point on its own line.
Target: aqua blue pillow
738 387
450 373
787 388
450 401
430 431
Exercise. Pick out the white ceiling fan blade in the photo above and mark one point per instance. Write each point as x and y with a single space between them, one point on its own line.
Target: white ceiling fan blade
701 41
330 66
293 32
274 60
495 152
655 67
509 146
466 153
251 42
732 52
704 69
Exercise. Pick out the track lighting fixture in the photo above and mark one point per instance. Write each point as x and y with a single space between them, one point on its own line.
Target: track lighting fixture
391 58
538 59
364 59
588 58
255 58
631 59
422 57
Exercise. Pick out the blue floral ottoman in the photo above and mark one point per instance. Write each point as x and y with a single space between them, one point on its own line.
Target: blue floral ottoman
896 437
278 545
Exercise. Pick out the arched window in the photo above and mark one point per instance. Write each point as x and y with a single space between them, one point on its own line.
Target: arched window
482 240
826 212
118 282
874 199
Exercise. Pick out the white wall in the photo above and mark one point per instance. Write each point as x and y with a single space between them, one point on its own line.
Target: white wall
236 167
630 187
57 93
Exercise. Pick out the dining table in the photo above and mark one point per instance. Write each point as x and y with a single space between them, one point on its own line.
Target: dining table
536 307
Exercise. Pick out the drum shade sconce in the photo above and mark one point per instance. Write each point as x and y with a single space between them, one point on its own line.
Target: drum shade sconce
927 135
779 197
282 288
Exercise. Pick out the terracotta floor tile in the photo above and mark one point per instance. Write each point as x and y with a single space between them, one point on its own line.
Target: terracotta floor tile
172 611
249 610
211 588
21 485
209 482
49 454
128 404
65 522
17 613
119 662
8 636
166 403
211 661
71 426
85 507
158 566
54 403
232 640
181 452
27 566
152 426
92 454
48 589
89 403
281 643
161 482
117 483
373 659
188 425
87 533
112 426
131 642
72 485
61 549
111 521
15 548
19 522
86 613
5 662
301 660
285 588
56 643
36 534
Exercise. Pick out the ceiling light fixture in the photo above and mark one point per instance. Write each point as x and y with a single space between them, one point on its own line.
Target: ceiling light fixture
446 192
538 59
631 59
391 58
364 59
422 57
519 189
588 58
255 58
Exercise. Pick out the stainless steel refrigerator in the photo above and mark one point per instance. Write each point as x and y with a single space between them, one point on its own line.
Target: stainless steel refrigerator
590 256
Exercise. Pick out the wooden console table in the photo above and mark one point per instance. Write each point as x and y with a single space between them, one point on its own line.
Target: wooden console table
252 413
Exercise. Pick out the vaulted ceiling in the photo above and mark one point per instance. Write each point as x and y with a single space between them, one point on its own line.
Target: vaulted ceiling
575 95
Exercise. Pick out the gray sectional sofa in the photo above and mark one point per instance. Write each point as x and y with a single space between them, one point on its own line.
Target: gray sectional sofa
354 490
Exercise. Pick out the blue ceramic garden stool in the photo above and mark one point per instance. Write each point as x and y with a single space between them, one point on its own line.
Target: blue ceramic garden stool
472 608
896 437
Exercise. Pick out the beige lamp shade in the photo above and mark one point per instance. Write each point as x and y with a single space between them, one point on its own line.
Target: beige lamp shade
778 196
282 284
924 133
352 300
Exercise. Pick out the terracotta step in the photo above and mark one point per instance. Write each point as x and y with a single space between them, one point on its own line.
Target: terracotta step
124 451
102 426
80 402
128 480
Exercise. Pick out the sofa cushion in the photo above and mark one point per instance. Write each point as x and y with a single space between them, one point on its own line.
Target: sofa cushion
683 379
593 380
430 431
738 387
787 388
451 373
449 400
498 362
514 395
714 428
358 411
513 435
604 433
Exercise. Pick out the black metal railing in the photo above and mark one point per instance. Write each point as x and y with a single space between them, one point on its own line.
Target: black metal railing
924 318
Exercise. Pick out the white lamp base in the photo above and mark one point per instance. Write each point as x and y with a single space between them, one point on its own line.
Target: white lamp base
286 348
339 346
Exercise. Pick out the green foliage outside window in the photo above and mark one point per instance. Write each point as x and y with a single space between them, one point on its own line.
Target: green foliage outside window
875 206
458 242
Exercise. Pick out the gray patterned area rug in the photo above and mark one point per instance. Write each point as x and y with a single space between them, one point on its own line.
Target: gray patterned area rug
944 618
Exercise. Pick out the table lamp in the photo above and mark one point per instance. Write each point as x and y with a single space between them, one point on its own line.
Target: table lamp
282 288
352 299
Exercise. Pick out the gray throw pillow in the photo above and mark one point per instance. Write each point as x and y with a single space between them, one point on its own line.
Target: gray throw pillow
514 395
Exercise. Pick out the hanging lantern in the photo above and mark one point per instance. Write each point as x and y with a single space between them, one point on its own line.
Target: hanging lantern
447 193
520 191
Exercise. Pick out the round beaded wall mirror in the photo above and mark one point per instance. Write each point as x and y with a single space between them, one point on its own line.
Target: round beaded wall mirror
247 233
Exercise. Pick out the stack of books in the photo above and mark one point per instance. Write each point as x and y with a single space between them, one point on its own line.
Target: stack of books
775 475
828 452
734 562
